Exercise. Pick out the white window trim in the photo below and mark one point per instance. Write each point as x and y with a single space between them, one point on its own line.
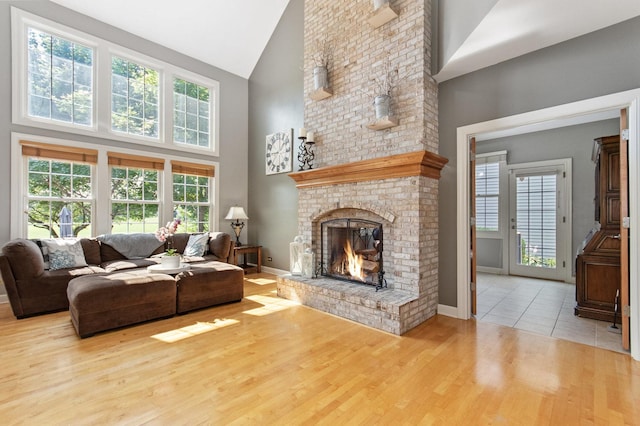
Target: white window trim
105 87
101 182
101 115
20 21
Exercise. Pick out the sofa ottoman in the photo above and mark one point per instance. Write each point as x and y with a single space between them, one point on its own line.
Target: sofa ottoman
106 301
207 284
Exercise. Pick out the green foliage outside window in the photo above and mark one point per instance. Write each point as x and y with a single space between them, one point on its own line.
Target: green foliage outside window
191 202
135 91
191 113
134 195
60 79
52 185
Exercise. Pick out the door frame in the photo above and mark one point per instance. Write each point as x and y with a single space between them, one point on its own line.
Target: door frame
556 116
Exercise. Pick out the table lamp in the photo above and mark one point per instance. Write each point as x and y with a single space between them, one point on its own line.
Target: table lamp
237 213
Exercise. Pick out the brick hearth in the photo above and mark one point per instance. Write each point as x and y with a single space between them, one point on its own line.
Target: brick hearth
384 309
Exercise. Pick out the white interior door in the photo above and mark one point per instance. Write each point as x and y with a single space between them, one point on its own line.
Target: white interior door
538 231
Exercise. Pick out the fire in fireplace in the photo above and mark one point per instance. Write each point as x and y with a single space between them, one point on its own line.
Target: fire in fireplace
351 249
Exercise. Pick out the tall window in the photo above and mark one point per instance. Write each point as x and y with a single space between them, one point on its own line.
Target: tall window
487 196
135 92
59 196
135 193
191 195
60 79
56 84
191 116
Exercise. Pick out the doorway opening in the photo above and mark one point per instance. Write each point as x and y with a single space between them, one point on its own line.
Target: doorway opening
553 117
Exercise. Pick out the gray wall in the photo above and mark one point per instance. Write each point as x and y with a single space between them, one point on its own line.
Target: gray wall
232 172
276 102
600 63
573 142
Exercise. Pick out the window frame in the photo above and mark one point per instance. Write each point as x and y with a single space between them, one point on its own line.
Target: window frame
147 64
101 114
198 175
213 106
499 157
20 23
101 183
155 165
28 197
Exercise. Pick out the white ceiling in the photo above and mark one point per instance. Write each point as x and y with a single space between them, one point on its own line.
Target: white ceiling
228 34
232 34
516 27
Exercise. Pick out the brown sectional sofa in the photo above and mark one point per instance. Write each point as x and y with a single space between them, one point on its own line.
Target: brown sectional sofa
32 290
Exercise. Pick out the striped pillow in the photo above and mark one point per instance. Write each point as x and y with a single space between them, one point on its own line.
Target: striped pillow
45 252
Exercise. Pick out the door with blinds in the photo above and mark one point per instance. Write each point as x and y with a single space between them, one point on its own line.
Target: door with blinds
539 220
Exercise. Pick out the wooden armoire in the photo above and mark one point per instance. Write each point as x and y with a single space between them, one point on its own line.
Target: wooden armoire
598 266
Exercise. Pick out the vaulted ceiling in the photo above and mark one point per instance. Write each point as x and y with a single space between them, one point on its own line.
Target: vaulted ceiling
228 34
232 35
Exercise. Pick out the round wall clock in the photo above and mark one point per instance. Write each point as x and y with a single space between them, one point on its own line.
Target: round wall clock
278 152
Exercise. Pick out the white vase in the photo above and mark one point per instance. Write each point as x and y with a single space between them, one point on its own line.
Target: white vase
383 106
320 79
296 250
170 262
308 263
377 4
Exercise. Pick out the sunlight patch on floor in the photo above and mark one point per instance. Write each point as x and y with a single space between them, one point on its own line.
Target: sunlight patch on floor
260 281
172 336
269 305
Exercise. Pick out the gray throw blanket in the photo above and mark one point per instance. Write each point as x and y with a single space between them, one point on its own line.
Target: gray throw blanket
132 246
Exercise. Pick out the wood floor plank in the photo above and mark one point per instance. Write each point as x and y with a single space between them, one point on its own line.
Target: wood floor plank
266 360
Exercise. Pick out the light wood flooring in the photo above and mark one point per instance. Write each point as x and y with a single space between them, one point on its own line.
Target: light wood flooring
267 361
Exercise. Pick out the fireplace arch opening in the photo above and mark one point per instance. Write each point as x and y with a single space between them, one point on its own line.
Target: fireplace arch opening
351 249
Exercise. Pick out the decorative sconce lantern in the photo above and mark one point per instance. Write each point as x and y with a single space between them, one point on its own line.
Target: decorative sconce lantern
296 250
308 262
306 154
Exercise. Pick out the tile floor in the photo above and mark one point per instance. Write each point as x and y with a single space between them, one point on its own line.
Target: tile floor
542 307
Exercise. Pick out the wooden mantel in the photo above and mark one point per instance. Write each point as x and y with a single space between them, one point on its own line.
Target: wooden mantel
419 163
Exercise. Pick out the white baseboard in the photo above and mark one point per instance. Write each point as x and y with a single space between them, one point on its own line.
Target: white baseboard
490 270
274 271
448 311
4 298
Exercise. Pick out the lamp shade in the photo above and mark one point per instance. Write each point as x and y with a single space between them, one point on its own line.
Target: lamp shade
236 213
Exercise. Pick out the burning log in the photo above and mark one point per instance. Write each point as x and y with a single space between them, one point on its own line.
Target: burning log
367 252
370 267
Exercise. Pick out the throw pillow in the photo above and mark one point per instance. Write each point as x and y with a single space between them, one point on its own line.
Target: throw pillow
196 245
64 253
45 252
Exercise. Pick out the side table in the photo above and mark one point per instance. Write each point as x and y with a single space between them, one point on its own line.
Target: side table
244 250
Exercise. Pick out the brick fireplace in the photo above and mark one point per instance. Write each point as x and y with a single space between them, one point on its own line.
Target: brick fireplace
400 193
385 176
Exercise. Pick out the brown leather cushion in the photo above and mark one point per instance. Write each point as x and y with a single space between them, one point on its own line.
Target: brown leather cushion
91 248
208 284
108 253
179 241
102 302
25 258
220 244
